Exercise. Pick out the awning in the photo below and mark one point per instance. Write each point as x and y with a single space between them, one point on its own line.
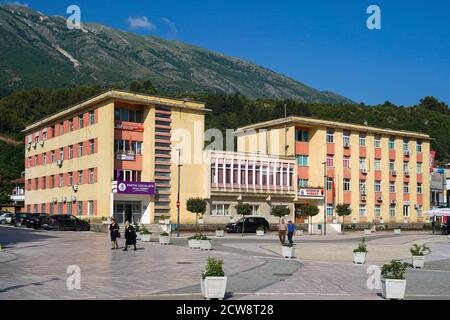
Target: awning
439 212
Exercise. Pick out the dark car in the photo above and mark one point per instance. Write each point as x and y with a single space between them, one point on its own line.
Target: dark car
35 221
21 219
62 222
250 224
6 218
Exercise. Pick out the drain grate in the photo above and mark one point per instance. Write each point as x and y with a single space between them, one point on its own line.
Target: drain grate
183 262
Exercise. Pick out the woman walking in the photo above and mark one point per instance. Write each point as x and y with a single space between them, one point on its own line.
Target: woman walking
130 236
114 233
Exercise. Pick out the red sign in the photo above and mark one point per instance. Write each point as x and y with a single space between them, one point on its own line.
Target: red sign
311 193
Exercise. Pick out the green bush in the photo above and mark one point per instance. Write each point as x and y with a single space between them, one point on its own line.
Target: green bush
361 247
164 234
419 250
144 230
394 270
214 268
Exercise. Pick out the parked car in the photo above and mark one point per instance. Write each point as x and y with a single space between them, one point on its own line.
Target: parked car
62 222
6 218
250 224
35 221
21 219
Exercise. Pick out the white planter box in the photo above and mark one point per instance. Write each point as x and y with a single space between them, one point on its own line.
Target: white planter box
145 237
194 244
288 252
219 233
334 221
393 288
138 236
201 221
359 257
397 231
448 237
418 261
167 221
205 244
299 232
164 239
213 287
367 232
162 221
260 233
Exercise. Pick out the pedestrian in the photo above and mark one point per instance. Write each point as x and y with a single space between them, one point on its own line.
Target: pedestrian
130 236
433 224
282 229
114 232
291 230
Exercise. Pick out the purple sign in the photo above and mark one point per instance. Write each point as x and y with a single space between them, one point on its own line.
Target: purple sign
128 187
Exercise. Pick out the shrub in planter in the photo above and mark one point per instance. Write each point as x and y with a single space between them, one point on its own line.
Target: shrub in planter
220 232
164 238
163 219
288 250
137 229
260 231
194 242
393 282
213 282
417 253
205 243
145 234
360 253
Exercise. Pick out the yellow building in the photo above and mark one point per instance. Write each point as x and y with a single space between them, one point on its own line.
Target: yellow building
384 175
112 155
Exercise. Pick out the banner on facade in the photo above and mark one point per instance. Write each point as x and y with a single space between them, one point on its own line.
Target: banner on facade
137 188
311 193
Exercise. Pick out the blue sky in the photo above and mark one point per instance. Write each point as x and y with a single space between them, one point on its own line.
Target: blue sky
322 43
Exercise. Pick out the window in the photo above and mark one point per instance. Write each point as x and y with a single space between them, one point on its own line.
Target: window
303 183
346 184
80 208
419 146
52 156
44 182
346 139
220 209
392 210
90 208
419 188
91 146
80 121
377 141
70 152
329 183
69 208
36 183
330 209
406 167
91 176
61 180
301 135
80 177
419 167
391 165
52 208
362 186
52 131
302 161
377 210
405 145
362 164
377 186
44 208
91 117
52 181
406 210
70 125
130 115
391 143
60 208
391 186
61 128
362 210
80 149
44 158
255 209
377 164
346 162
61 153
362 139
70 178
419 211
36 208
330 136
405 187
330 161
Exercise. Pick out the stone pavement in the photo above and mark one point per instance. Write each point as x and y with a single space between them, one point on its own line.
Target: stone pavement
34 265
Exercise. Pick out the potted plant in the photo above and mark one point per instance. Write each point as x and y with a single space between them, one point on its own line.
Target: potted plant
360 253
299 232
418 257
163 219
205 243
164 238
197 206
193 242
288 250
220 232
397 230
137 229
310 211
200 220
393 282
243 209
260 231
213 282
145 234
343 210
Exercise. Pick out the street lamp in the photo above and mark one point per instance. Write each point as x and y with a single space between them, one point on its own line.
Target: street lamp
178 193
324 198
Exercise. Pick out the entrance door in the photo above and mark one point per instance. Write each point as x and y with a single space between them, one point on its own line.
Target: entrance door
129 212
300 217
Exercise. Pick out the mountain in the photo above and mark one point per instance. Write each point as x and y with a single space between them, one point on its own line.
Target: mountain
40 51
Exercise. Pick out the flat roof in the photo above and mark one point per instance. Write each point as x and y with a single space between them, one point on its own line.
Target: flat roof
309 121
120 95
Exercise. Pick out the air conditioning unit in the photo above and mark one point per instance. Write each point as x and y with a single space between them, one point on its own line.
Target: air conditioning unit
394 173
64 199
406 153
34 145
55 199
416 206
59 163
393 202
75 187
380 198
363 198
406 173
346 145
73 199
364 171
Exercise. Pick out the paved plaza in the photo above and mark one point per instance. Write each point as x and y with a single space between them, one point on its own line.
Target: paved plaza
33 265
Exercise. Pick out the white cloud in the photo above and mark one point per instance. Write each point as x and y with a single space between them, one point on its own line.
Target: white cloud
173 31
17 3
140 23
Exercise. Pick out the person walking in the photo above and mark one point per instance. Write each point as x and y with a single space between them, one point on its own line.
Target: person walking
114 232
433 224
130 236
290 230
282 229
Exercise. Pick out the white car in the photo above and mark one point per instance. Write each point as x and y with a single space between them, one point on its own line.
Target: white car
6 218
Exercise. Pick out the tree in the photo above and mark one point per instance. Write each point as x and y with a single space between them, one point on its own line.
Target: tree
143 87
310 211
197 206
243 209
280 211
343 210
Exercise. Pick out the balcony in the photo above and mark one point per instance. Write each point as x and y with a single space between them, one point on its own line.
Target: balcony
17 197
126 156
